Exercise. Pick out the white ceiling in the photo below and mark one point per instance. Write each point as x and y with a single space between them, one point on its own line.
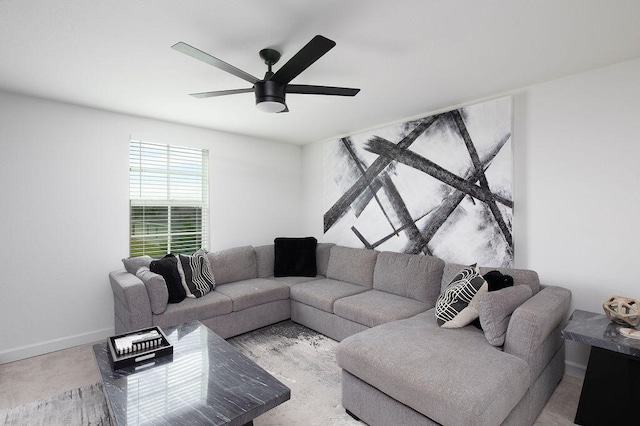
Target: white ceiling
409 57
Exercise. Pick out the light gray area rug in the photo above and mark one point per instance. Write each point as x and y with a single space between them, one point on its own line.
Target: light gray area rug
305 362
83 406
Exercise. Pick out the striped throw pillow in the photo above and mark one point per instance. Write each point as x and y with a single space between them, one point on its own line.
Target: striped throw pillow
196 274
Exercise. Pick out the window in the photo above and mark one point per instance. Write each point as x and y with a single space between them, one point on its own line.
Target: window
169 199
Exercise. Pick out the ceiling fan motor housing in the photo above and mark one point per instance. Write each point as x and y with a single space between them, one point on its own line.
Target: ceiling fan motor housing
269 91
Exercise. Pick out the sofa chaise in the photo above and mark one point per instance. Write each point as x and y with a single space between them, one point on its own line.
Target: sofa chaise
413 372
398 365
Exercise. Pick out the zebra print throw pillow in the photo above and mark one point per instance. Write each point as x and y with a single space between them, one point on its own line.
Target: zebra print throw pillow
456 305
196 274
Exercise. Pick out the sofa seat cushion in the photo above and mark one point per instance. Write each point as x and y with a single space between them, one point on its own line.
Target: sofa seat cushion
210 305
375 307
322 294
291 281
452 376
253 292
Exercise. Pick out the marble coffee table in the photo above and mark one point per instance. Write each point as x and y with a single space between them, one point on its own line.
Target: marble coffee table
206 382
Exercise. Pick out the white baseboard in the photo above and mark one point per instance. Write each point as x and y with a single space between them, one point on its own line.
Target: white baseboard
574 369
29 351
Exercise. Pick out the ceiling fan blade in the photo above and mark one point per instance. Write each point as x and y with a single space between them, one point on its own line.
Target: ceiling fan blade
220 93
320 90
306 56
211 60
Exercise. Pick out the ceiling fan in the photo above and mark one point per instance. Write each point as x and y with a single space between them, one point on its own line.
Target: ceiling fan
271 90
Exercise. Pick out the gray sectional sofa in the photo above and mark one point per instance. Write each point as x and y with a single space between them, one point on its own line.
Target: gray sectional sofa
398 366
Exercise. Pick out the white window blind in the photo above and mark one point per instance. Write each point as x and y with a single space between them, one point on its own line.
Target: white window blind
169 199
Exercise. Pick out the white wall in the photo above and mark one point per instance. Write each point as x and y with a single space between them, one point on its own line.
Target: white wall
577 141
64 215
577 180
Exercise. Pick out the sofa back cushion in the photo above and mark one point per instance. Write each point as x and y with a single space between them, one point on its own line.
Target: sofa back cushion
265 258
235 264
520 276
323 251
353 265
409 275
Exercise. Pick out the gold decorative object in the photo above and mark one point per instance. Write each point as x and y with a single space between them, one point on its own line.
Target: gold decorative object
622 310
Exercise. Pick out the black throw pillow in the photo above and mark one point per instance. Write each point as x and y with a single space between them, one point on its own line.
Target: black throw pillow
497 280
168 268
295 257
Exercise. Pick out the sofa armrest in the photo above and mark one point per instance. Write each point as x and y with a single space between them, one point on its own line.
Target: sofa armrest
535 320
131 302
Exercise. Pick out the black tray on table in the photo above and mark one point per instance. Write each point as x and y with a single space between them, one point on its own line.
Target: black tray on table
138 347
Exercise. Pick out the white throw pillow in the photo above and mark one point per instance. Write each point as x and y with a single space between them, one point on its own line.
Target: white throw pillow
457 305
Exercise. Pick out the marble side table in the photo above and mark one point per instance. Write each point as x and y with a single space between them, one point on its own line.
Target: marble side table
612 382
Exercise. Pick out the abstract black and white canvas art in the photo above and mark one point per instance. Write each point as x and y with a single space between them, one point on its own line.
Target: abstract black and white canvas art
439 185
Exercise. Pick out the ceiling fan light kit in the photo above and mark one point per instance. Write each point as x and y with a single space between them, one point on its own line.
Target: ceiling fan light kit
270 106
271 90
270 96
